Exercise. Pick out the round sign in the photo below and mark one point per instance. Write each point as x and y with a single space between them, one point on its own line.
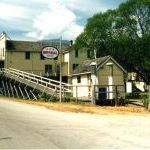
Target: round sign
50 52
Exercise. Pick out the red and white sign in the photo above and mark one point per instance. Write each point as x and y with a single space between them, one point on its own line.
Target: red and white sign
50 52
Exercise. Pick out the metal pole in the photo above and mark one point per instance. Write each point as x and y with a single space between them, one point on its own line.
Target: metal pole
60 96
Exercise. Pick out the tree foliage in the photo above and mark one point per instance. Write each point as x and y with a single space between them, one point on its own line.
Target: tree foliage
123 33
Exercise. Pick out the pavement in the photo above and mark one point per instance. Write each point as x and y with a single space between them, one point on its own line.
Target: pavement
24 126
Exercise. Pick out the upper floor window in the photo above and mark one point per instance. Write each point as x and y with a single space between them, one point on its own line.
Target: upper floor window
78 79
76 53
74 66
27 55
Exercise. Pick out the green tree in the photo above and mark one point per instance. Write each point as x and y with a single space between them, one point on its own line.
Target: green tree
123 33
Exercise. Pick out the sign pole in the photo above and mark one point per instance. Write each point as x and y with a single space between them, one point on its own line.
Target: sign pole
60 94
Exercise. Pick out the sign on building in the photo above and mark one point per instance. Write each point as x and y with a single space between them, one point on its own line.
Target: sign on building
50 52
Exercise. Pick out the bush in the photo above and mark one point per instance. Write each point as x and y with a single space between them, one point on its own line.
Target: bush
46 98
133 96
145 100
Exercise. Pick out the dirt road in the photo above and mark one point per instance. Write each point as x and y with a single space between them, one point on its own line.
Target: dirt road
27 126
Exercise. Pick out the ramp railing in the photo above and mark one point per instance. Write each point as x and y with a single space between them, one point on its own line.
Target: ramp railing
46 85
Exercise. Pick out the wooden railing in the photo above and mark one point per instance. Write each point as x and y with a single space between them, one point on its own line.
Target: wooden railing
36 80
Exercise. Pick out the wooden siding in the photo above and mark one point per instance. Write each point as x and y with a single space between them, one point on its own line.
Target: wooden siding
104 72
82 55
35 64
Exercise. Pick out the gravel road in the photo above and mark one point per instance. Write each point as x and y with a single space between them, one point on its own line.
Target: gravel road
24 126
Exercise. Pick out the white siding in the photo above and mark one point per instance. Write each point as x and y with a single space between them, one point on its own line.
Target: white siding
2 47
66 57
81 90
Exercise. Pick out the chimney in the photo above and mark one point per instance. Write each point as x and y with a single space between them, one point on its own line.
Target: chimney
71 42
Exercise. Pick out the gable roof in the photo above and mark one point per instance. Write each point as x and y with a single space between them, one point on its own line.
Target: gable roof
85 66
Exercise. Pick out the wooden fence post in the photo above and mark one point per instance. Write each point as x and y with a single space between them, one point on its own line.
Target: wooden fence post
76 93
93 95
116 99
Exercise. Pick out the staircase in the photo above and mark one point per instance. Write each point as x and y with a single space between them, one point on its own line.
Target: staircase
45 85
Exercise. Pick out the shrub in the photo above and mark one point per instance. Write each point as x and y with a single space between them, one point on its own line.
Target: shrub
145 100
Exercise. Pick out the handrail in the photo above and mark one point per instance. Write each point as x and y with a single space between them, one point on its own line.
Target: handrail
45 82
37 76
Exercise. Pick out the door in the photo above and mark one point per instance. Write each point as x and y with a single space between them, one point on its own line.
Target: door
102 93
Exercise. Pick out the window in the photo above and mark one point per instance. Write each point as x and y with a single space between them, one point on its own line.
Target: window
88 53
74 66
78 79
27 55
48 69
76 53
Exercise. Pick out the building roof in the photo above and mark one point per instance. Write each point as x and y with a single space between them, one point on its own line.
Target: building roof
31 46
85 66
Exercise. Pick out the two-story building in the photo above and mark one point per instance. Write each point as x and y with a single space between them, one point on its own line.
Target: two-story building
27 56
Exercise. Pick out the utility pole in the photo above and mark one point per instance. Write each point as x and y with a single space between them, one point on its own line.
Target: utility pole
60 52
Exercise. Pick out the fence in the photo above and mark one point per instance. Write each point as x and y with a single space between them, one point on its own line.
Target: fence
100 93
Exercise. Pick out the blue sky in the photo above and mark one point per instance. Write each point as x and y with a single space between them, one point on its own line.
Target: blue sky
48 19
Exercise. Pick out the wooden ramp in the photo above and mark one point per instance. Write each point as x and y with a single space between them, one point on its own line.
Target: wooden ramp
48 86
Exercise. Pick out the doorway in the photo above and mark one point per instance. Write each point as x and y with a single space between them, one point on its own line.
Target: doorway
102 93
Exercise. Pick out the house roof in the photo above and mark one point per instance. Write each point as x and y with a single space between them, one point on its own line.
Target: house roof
30 45
85 66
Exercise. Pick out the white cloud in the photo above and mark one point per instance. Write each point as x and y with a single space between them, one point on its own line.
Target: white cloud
57 20
9 12
38 19
73 31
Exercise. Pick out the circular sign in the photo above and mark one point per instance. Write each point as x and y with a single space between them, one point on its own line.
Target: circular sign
50 52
